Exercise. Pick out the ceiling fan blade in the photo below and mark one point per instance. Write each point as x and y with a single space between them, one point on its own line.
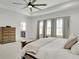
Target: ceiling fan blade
24 7
25 1
29 0
18 3
36 8
33 1
40 4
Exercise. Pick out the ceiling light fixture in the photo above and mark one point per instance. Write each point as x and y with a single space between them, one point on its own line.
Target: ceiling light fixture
31 4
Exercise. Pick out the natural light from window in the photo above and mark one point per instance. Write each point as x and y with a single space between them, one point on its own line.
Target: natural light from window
48 32
59 27
41 27
23 26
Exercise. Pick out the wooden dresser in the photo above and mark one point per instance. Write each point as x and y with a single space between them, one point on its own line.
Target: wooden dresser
7 34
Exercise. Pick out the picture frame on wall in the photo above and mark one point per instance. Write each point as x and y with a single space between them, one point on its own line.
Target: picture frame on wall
23 34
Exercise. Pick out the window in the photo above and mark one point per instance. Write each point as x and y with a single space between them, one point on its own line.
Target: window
48 32
41 29
23 26
56 27
59 27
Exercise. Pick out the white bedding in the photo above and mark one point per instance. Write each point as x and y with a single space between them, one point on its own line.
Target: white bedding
54 50
56 54
35 46
10 51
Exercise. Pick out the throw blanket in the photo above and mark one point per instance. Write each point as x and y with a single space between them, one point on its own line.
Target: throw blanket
35 46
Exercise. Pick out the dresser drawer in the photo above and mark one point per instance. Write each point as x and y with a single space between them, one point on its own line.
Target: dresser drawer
12 40
5 41
5 34
5 31
12 37
11 34
6 37
11 29
0 40
4 28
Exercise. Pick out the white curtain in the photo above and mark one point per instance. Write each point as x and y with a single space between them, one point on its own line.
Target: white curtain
66 28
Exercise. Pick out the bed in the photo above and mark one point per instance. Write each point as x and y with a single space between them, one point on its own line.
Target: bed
50 48
10 51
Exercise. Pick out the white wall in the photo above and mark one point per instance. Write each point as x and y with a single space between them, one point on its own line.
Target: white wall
74 25
74 20
11 18
29 28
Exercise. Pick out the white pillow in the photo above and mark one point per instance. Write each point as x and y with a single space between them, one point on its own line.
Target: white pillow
78 38
71 41
72 36
75 48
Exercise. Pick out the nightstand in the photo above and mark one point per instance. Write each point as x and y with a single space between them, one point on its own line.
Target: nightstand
24 42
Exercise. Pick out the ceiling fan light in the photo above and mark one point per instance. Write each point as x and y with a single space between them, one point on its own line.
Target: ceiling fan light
29 6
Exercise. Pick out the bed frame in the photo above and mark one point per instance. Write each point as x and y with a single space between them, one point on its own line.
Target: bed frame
28 56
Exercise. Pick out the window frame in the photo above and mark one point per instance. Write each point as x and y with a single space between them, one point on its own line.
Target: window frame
53 26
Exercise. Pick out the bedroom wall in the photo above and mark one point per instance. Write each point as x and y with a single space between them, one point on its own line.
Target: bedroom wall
74 24
74 20
11 18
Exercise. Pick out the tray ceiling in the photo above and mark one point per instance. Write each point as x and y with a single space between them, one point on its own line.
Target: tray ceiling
7 4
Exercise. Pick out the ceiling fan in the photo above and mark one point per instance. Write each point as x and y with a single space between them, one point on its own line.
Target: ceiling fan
31 4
